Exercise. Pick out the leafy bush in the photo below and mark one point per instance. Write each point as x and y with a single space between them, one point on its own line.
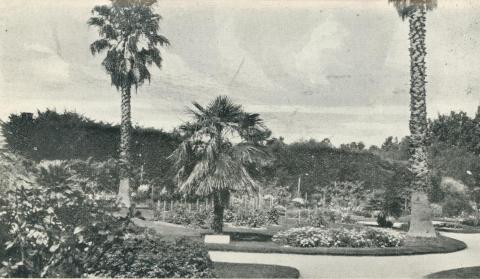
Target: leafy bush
471 221
362 213
181 215
383 222
67 230
45 228
146 255
455 205
339 237
228 215
256 218
316 219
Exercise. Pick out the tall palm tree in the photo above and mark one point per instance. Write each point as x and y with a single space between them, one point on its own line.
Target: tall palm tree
128 32
415 10
222 144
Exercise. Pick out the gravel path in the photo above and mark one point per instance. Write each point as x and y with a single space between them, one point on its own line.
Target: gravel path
320 266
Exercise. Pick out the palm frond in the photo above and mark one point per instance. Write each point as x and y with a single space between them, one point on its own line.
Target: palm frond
128 29
250 154
99 45
404 7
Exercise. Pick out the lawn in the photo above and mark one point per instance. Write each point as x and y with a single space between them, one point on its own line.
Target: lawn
466 272
237 270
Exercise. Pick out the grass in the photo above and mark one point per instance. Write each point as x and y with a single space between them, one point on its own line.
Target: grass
465 272
237 270
416 246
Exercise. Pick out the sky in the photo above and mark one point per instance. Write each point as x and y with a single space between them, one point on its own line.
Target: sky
312 69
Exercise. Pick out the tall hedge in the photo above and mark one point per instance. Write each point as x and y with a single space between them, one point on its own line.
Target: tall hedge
50 135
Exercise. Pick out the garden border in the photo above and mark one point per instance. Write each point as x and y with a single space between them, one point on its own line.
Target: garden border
247 270
442 244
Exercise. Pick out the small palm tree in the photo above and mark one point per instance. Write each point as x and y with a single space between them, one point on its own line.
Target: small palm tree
128 32
415 10
209 163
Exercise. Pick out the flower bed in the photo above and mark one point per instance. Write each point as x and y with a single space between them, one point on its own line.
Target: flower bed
339 237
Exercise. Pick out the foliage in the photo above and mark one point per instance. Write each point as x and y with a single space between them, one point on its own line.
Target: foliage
209 163
15 171
346 195
471 221
46 226
316 219
456 204
69 136
355 237
324 164
128 32
147 255
61 226
256 218
457 129
383 222
181 215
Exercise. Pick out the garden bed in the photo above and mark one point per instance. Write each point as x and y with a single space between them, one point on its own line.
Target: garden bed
465 272
455 227
414 247
241 270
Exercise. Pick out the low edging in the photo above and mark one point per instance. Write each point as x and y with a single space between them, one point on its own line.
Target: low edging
463 230
441 245
464 272
245 270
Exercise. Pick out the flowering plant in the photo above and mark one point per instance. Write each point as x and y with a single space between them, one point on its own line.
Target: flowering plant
339 237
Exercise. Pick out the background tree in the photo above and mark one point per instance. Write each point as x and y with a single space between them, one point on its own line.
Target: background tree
209 163
415 10
128 32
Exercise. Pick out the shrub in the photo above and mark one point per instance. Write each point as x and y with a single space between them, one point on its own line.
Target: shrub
146 255
228 215
339 237
67 230
363 213
317 219
256 218
383 222
455 205
472 221
181 215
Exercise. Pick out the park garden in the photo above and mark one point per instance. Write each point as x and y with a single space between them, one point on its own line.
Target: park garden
82 198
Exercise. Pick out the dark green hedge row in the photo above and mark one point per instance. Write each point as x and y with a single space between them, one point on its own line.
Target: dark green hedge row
51 135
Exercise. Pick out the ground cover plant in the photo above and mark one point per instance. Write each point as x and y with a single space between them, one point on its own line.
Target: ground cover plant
354 237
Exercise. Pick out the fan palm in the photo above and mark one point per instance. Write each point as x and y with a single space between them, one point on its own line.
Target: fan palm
415 11
209 163
128 32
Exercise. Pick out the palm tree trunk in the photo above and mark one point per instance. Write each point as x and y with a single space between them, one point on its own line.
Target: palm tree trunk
421 217
125 138
220 201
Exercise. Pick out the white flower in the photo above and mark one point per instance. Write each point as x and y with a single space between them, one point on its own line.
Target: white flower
143 188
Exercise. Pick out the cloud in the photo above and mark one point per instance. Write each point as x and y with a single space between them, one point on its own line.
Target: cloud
313 59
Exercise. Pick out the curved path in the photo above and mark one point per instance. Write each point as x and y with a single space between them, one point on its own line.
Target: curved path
319 266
